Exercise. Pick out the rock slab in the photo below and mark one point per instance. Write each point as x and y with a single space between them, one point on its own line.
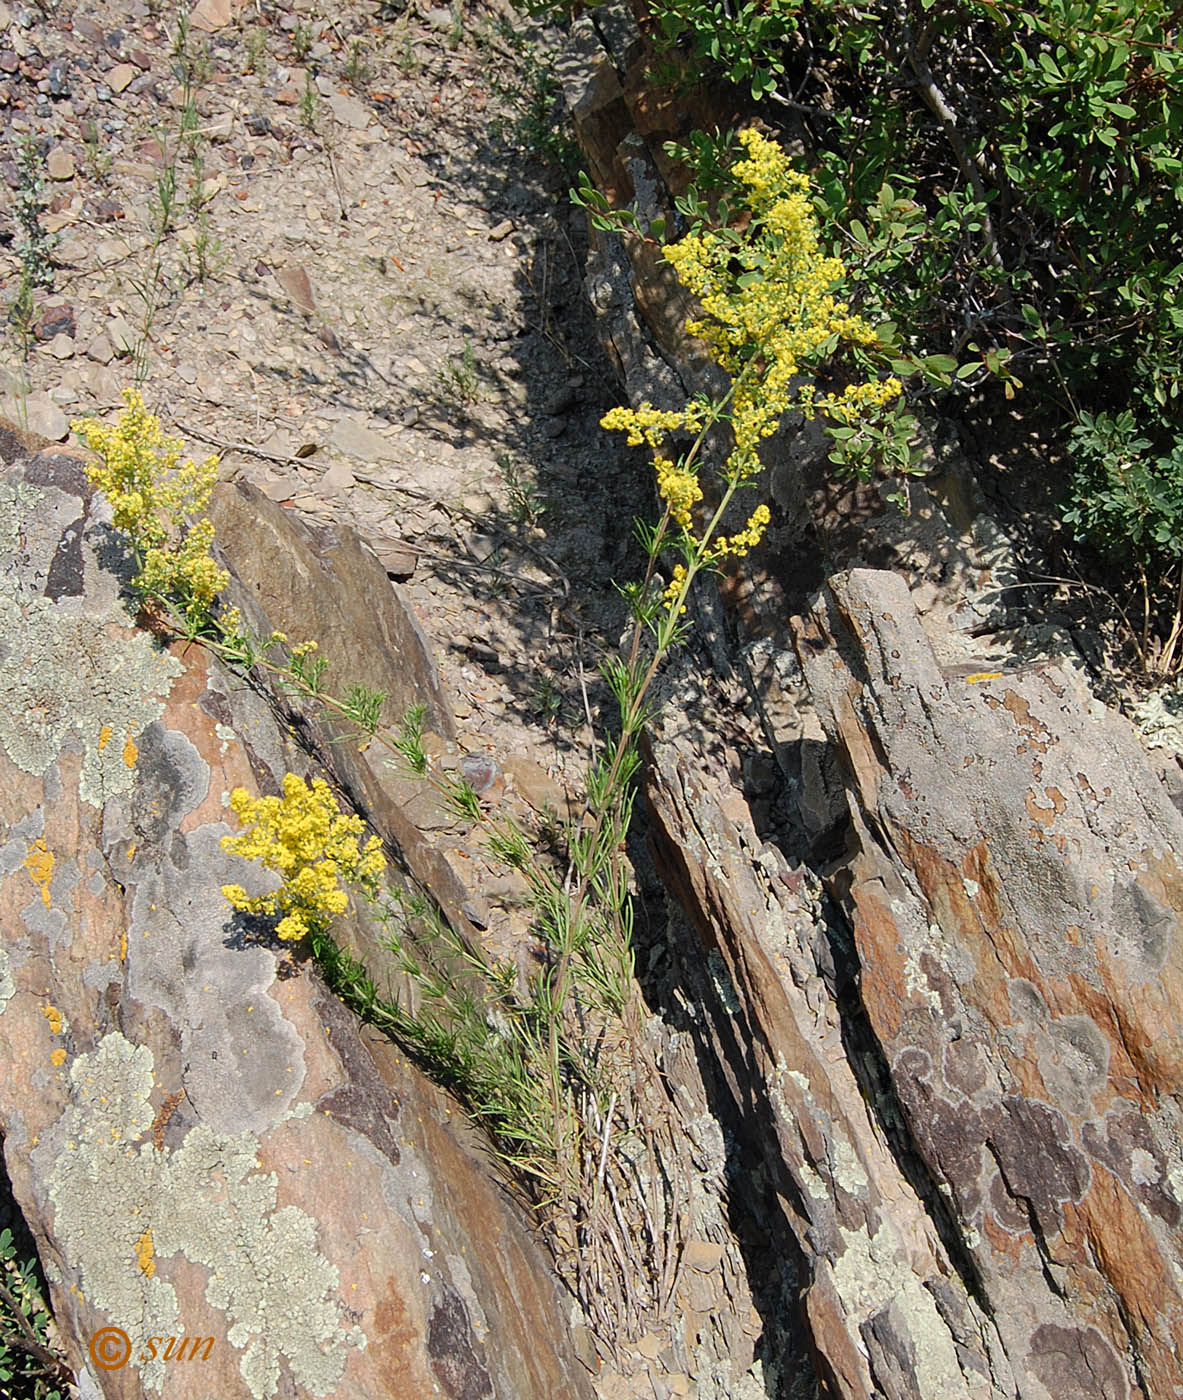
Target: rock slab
1015 889
200 1138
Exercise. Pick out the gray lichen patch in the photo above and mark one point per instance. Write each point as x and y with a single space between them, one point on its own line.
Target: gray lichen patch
188 954
7 985
69 678
70 681
206 1201
873 1276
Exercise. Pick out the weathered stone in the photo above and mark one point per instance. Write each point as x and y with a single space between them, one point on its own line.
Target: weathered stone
1015 890
338 478
104 386
538 788
294 280
398 558
349 111
37 413
200 1140
357 440
211 15
120 336
60 164
120 76
53 321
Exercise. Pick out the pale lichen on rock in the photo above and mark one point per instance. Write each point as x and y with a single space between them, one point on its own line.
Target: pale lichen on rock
874 1281
69 678
7 985
205 1201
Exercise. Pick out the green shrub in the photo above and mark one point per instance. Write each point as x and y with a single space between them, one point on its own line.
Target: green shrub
1128 503
29 1366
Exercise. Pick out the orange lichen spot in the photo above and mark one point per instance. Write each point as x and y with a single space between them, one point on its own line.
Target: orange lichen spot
58 1058
123 946
105 736
130 753
146 1254
977 677
39 864
55 1019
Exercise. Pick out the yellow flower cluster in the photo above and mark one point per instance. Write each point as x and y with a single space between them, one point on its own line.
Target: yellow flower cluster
736 546
767 297
855 401
675 587
311 844
769 311
158 501
646 424
679 488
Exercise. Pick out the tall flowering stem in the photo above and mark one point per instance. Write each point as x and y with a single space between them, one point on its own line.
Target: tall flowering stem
770 312
560 1069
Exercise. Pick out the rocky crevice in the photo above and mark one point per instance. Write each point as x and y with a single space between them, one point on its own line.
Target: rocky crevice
903 994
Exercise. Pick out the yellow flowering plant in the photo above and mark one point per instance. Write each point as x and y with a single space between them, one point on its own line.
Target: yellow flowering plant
770 312
158 502
555 1067
305 838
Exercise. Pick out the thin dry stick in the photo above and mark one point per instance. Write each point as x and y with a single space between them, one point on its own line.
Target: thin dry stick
935 101
337 184
28 1340
624 1257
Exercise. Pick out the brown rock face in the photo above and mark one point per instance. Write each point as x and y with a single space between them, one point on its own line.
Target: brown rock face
1015 893
956 1117
204 1145
883 1311
320 583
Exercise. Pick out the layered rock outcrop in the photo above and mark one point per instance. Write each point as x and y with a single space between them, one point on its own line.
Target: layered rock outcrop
947 1056
202 1140
1015 888
956 1063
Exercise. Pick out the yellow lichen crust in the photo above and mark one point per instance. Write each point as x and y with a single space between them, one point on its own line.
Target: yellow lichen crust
311 845
122 1206
146 1254
39 864
158 501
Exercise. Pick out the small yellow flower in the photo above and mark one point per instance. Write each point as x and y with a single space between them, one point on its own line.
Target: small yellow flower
311 845
675 587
